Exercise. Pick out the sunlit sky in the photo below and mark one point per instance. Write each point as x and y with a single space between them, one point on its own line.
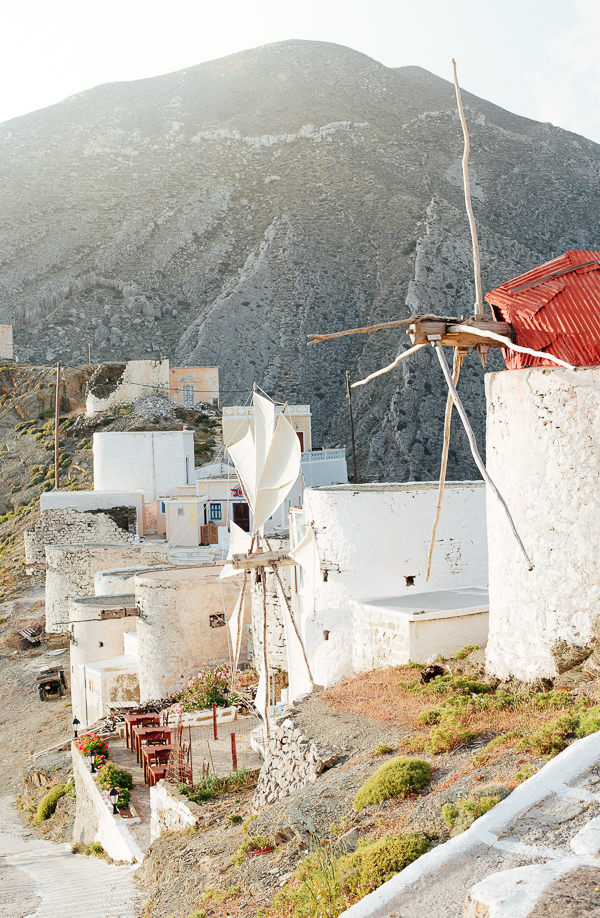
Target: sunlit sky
538 58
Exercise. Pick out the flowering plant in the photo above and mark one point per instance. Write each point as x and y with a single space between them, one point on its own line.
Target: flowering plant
91 742
208 686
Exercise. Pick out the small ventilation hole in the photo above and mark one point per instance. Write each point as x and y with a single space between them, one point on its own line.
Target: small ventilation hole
410 580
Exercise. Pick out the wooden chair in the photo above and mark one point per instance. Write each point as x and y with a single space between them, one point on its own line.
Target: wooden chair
150 753
136 720
159 769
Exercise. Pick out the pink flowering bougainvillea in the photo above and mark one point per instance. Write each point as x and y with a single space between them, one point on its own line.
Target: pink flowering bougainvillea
208 686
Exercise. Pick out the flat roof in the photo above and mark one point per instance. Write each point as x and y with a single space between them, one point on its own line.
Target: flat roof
119 601
400 486
436 604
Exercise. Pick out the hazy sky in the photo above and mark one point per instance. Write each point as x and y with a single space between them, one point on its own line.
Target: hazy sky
538 58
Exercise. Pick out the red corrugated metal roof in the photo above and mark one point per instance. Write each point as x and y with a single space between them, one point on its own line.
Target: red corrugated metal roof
555 307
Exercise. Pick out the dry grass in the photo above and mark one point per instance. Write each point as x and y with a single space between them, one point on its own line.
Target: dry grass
396 697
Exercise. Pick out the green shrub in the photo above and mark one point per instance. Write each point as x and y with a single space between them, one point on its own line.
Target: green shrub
370 866
397 778
208 788
448 735
589 721
429 716
551 738
319 892
110 776
47 804
250 843
461 815
469 648
207 688
95 848
496 745
383 749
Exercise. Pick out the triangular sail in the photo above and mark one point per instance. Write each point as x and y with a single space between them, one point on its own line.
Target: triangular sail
298 672
281 470
239 544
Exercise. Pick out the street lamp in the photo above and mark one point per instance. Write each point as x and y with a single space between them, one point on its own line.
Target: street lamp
91 757
113 796
75 726
226 696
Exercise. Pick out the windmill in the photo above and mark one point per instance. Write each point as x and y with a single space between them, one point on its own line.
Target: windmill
267 461
477 332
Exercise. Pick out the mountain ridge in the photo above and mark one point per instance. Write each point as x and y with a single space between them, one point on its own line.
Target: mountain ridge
219 214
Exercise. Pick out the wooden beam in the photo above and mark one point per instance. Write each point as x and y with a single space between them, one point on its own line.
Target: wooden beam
360 331
457 335
247 562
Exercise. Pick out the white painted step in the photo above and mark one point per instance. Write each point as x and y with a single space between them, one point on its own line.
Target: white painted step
66 884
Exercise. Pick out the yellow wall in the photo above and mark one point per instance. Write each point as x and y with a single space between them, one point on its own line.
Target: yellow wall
205 381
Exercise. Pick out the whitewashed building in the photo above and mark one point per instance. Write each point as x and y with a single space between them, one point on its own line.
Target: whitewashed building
371 543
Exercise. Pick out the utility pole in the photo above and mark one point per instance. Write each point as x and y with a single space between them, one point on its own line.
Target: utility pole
56 427
349 397
89 355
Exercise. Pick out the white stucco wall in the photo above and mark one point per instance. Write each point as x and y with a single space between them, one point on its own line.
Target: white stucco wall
174 634
94 820
93 640
154 462
370 538
543 449
140 379
117 581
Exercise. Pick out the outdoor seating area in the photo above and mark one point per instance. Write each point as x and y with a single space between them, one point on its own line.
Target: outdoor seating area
150 742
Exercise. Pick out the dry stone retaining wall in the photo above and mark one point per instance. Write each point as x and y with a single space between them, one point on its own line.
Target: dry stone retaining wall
57 527
291 762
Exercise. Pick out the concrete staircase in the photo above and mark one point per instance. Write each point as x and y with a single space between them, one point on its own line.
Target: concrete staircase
48 880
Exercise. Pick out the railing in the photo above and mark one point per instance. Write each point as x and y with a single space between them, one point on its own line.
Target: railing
323 455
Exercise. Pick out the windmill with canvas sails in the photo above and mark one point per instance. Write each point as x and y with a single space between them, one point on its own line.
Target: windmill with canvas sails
267 461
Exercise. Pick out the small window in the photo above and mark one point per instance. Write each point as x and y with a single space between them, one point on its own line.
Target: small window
215 511
179 511
217 621
162 507
188 396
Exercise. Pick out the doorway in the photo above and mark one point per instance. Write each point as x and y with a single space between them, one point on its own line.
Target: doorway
241 516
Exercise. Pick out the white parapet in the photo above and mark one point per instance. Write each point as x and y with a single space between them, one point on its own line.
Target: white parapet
418 627
543 443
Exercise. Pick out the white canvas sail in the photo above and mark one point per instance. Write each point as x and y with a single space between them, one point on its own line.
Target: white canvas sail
267 461
243 454
281 469
239 544
298 672
260 702
235 625
305 553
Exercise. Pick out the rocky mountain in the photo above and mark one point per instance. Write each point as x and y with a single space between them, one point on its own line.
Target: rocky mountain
220 214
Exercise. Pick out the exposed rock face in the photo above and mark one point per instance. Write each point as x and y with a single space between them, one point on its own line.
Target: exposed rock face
219 214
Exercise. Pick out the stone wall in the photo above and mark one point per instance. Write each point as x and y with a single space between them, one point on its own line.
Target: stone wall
275 630
291 762
182 625
543 443
71 569
170 811
94 820
56 527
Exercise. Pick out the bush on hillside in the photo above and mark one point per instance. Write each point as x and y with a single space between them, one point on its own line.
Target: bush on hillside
397 778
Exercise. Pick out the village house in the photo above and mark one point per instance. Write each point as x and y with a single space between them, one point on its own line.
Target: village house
115 385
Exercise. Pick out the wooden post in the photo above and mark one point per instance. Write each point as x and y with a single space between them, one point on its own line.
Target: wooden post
56 427
349 397
89 355
214 710
263 577
233 753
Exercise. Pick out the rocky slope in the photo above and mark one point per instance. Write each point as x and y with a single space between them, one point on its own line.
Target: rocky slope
219 214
